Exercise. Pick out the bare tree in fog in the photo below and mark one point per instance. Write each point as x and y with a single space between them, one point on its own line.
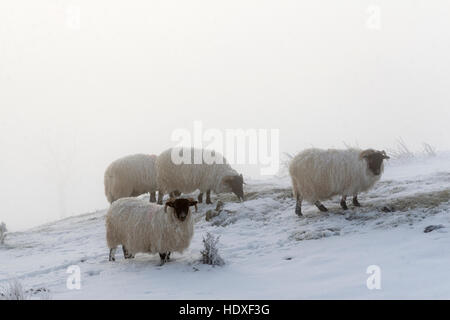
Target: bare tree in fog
62 150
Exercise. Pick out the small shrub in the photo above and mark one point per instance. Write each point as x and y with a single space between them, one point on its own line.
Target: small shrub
401 151
210 254
13 291
429 150
3 231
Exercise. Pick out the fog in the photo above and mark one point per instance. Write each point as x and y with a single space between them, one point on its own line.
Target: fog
85 82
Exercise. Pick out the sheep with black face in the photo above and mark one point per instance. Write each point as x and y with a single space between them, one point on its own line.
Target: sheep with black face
143 227
318 175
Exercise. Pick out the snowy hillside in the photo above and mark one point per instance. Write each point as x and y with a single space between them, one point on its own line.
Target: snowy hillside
270 253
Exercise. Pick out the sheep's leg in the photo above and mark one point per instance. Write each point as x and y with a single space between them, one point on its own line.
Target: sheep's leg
200 197
160 197
321 207
298 206
355 201
208 197
164 257
298 196
344 203
153 196
112 254
126 254
175 194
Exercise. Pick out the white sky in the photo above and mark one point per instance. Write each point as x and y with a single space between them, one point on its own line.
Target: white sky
72 100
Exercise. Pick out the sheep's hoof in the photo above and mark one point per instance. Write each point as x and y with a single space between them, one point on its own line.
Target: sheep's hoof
126 254
344 205
356 203
321 207
164 258
112 253
298 211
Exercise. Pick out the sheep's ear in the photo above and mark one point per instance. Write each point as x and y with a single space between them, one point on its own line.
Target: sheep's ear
193 202
385 156
169 203
242 178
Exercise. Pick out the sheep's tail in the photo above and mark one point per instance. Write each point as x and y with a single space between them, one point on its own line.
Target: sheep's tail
111 234
108 187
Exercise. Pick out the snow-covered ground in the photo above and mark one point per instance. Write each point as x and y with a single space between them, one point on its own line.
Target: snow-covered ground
270 253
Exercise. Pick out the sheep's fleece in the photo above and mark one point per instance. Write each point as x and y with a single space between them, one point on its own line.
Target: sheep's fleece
321 174
130 176
187 178
146 227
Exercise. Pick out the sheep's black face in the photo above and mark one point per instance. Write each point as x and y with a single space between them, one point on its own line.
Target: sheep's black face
181 207
236 184
375 161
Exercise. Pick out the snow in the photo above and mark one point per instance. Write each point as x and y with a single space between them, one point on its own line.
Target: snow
269 252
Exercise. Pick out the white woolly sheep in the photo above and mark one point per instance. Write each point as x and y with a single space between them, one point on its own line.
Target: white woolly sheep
143 227
195 173
131 176
321 174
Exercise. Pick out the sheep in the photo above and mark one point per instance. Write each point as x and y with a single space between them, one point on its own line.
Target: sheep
188 176
143 227
131 176
321 174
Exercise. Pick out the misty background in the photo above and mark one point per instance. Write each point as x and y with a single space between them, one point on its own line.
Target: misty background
83 83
